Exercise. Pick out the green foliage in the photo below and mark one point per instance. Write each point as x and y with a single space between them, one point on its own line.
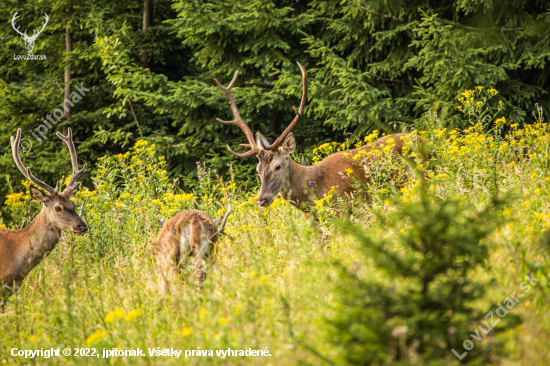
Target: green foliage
371 65
31 90
426 286
385 170
427 259
23 207
127 186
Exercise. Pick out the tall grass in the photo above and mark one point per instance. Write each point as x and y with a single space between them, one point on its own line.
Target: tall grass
276 280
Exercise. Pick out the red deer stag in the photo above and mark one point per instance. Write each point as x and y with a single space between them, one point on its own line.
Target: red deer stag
191 235
22 250
280 174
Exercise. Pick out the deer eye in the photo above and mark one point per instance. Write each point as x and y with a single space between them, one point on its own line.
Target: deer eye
277 168
58 208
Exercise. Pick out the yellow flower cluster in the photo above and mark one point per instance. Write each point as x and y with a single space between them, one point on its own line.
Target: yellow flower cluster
500 122
230 187
118 313
323 151
467 96
132 314
327 199
142 187
373 136
15 199
95 336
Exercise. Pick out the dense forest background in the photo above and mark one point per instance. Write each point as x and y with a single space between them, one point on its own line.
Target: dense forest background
150 68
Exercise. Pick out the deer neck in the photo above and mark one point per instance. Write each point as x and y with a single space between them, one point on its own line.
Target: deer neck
297 187
42 237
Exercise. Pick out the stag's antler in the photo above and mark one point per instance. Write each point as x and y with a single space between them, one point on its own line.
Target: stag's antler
254 149
27 171
13 25
15 142
262 141
73 182
293 124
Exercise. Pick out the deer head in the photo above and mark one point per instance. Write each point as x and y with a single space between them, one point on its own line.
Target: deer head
29 40
58 208
274 160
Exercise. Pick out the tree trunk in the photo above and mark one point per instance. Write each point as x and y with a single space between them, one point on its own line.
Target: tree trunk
147 22
69 49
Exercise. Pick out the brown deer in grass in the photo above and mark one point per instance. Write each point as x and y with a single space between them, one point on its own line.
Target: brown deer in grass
191 235
280 174
22 250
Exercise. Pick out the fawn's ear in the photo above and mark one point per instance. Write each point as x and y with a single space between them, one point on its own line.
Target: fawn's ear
38 195
289 144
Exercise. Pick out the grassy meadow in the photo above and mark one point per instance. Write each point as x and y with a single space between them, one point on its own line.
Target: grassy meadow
296 288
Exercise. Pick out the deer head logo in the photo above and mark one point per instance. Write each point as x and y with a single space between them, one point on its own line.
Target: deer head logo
29 40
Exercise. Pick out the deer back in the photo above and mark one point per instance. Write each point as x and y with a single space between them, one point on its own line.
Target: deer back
331 171
189 230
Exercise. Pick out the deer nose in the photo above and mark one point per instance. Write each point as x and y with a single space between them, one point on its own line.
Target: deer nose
82 228
264 202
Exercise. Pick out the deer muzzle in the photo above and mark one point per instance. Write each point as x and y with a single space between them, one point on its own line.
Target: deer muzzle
80 229
265 201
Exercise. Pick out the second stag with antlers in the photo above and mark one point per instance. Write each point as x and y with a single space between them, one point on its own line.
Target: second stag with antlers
282 175
22 250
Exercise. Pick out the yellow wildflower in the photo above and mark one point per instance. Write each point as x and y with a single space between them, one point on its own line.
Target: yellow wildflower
118 313
133 314
95 336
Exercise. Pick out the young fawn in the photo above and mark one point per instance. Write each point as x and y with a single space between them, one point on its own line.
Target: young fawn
191 235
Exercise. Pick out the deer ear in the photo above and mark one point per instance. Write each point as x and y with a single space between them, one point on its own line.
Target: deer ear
38 195
259 141
217 222
289 144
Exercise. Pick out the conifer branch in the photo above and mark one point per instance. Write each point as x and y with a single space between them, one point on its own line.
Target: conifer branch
383 15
